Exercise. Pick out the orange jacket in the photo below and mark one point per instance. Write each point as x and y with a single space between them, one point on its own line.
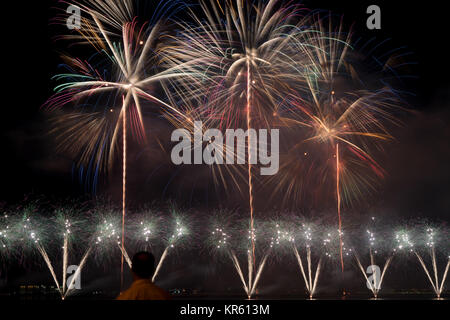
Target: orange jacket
143 290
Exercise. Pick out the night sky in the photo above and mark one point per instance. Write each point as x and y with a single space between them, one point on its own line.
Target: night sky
417 162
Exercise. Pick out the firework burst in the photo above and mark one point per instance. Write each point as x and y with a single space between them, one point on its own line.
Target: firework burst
338 128
248 55
134 73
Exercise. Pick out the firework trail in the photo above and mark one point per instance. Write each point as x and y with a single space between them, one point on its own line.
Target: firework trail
30 230
250 176
338 199
125 255
65 220
135 60
311 243
340 129
310 285
239 271
44 255
375 287
221 242
404 242
179 233
253 267
258 274
377 242
124 188
66 235
250 255
248 54
77 272
306 239
143 230
433 275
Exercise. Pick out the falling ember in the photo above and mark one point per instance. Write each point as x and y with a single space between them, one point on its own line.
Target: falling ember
124 186
250 178
338 198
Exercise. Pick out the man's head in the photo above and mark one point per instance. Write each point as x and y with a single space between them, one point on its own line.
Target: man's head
143 265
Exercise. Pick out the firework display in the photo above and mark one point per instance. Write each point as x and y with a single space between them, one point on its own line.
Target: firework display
314 248
134 70
330 102
376 247
431 236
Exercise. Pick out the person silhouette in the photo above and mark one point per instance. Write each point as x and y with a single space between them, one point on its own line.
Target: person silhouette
142 288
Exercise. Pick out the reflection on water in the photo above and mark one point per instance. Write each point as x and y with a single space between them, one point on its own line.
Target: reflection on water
50 293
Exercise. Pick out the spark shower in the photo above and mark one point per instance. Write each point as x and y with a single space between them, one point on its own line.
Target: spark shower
283 107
